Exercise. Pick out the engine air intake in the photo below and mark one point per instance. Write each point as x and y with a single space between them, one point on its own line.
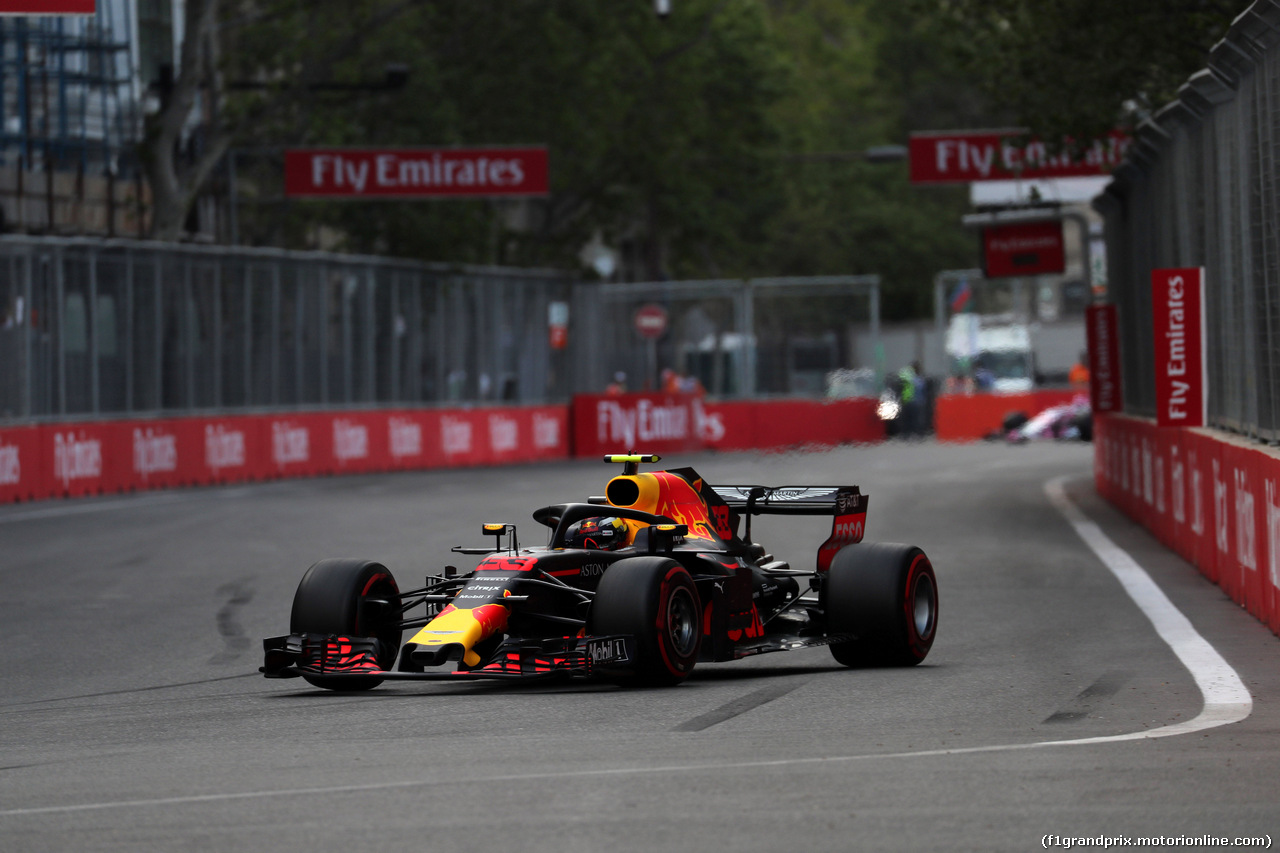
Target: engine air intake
622 491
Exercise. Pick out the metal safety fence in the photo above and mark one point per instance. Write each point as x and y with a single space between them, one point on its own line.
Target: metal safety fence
1201 188
112 328
102 328
728 337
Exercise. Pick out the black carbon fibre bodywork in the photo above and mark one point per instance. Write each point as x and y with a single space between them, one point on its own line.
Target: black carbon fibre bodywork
524 612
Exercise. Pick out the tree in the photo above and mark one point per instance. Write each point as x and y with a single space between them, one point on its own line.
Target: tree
1078 68
716 142
175 179
864 74
694 144
659 131
285 48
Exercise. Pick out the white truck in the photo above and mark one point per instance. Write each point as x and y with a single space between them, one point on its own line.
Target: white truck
994 350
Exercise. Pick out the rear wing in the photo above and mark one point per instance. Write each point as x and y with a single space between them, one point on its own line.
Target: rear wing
793 500
845 503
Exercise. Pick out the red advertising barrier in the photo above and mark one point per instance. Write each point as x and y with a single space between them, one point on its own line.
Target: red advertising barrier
674 423
1213 499
82 459
71 460
22 461
970 417
657 423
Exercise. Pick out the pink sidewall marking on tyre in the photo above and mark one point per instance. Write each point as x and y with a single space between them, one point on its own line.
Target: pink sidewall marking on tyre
920 643
668 592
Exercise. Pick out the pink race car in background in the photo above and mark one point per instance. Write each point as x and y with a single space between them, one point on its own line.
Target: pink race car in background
1069 421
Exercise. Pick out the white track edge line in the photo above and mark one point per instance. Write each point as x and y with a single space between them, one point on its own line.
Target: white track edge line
1226 699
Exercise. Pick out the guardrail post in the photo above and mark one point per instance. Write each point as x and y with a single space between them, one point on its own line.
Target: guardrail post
157 361
28 338
246 320
189 333
130 330
275 343
61 302
371 335
217 270
91 332
745 308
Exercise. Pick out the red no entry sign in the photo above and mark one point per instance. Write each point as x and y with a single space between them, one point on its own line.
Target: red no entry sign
651 321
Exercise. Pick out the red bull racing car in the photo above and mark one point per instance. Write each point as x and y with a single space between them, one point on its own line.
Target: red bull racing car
636 586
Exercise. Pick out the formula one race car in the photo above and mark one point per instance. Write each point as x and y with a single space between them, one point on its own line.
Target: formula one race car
636 586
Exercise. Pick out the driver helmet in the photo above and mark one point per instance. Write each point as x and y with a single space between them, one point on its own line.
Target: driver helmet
603 534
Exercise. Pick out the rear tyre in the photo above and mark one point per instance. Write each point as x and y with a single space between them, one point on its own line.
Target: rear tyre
887 595
654 600
331 600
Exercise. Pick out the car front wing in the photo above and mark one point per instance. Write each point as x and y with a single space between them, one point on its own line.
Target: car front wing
355 658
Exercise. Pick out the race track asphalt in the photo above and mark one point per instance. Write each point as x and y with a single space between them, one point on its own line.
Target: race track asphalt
133 718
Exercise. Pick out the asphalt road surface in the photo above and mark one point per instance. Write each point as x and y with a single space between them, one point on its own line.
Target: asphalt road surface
133 718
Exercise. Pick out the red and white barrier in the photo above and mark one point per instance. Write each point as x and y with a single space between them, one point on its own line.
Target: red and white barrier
99 457
21 452
69 460
673 423
1212 498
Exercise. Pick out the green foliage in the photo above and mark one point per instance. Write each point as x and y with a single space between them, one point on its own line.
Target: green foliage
864 74
721 141
1078 68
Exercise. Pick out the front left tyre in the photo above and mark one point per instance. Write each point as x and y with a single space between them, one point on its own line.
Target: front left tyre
654 600
332 598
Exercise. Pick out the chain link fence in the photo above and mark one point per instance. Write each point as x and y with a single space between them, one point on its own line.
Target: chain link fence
98 328
93 328
1201 187
735 337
